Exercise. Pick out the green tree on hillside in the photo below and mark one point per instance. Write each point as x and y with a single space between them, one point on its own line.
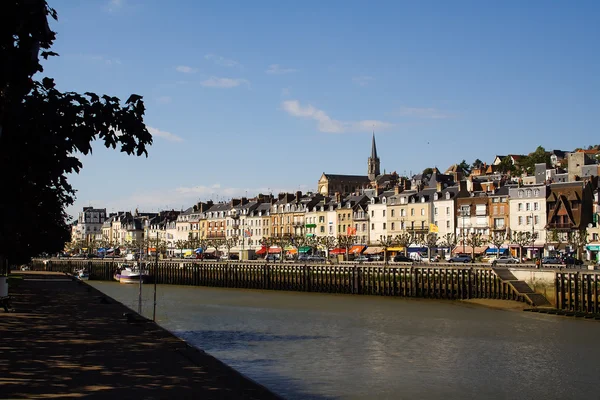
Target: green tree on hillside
540 155
42 132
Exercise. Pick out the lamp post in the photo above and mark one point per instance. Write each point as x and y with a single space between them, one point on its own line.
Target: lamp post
463 213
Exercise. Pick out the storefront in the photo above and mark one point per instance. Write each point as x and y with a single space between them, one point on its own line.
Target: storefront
593 251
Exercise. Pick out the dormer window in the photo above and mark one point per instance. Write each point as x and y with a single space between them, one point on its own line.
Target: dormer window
520 193
373 200
412 200
435 196
384 200
422 199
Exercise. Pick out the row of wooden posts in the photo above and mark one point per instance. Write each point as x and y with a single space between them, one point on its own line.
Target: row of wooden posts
403 281
577 292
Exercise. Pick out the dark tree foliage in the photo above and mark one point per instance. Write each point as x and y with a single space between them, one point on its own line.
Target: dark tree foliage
427 171
43 129
539 156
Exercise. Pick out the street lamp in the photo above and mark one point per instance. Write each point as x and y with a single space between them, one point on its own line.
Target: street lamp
463 212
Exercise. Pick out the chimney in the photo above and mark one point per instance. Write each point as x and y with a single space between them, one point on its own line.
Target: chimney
338 197
298 195
244 200
397 189
439 186
462 186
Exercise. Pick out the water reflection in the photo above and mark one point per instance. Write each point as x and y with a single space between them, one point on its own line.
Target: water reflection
304 345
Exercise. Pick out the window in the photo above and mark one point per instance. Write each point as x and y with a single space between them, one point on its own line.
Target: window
528 220
501 209
527 207
536 206
393 226
520 193
364 227
403 212
447 210
412 211
536 220
495 210
372 213
520 207
528 192
422 211
384 227
384 213
373 227
435 211
393 212
520 220
498 223
448 224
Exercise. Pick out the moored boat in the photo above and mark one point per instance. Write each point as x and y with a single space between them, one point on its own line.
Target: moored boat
82 275
131 274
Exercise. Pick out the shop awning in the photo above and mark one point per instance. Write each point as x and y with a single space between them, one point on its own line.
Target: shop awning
289 247
261 251
494 250
593 247
417 249
275 250
304 249
292 251
198 250
373 250
395 248
468 250
356 249
338 250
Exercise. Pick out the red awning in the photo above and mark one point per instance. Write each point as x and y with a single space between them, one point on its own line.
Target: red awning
261 251
338 251
274 250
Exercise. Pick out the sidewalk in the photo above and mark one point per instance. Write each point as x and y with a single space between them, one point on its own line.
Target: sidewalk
64 340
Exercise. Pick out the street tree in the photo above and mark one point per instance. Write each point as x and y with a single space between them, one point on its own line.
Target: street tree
449 241
386 241
498 238
181 245
578 239
328 242
44 132
474 240
521 239
404 239
429 240
230 243
345 242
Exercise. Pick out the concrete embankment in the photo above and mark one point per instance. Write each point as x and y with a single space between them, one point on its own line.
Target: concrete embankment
65 339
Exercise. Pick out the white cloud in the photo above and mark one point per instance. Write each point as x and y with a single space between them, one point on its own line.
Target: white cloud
184 197
114 5
225 83
222 61
327 124
276 69
362 80
164 99
428 113
185 69
163 134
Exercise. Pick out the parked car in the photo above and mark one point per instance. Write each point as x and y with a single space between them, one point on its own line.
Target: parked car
551 260
504 260
570 260
377 257
362 258
461 258
303 257
316 259
272 257
402 258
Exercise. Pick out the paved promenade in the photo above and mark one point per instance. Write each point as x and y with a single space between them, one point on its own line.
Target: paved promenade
65 340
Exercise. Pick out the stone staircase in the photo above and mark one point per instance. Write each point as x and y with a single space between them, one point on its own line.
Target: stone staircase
521 288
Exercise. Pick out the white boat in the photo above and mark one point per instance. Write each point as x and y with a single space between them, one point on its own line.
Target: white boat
131 274
82 275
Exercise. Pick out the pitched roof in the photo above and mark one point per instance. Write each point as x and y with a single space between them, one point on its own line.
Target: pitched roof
336 177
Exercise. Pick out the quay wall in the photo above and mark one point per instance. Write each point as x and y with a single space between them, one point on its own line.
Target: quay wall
454 282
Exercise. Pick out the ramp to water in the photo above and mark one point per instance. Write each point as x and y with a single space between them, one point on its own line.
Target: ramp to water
521 288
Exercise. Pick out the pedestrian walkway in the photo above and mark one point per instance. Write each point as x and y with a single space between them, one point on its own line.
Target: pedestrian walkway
67 340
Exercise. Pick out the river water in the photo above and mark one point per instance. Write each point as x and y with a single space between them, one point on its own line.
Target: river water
324 346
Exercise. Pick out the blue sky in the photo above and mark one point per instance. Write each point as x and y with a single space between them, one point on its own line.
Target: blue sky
247 97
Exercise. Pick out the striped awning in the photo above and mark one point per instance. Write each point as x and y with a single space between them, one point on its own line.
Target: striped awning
373 250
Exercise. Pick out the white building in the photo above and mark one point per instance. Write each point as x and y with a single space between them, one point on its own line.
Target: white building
89 224
528 214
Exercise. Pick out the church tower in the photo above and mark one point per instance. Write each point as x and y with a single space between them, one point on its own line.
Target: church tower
373 163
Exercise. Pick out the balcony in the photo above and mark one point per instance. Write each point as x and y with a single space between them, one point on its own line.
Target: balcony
561 226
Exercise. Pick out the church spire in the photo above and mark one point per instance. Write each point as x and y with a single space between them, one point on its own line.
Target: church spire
373 148
373 162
